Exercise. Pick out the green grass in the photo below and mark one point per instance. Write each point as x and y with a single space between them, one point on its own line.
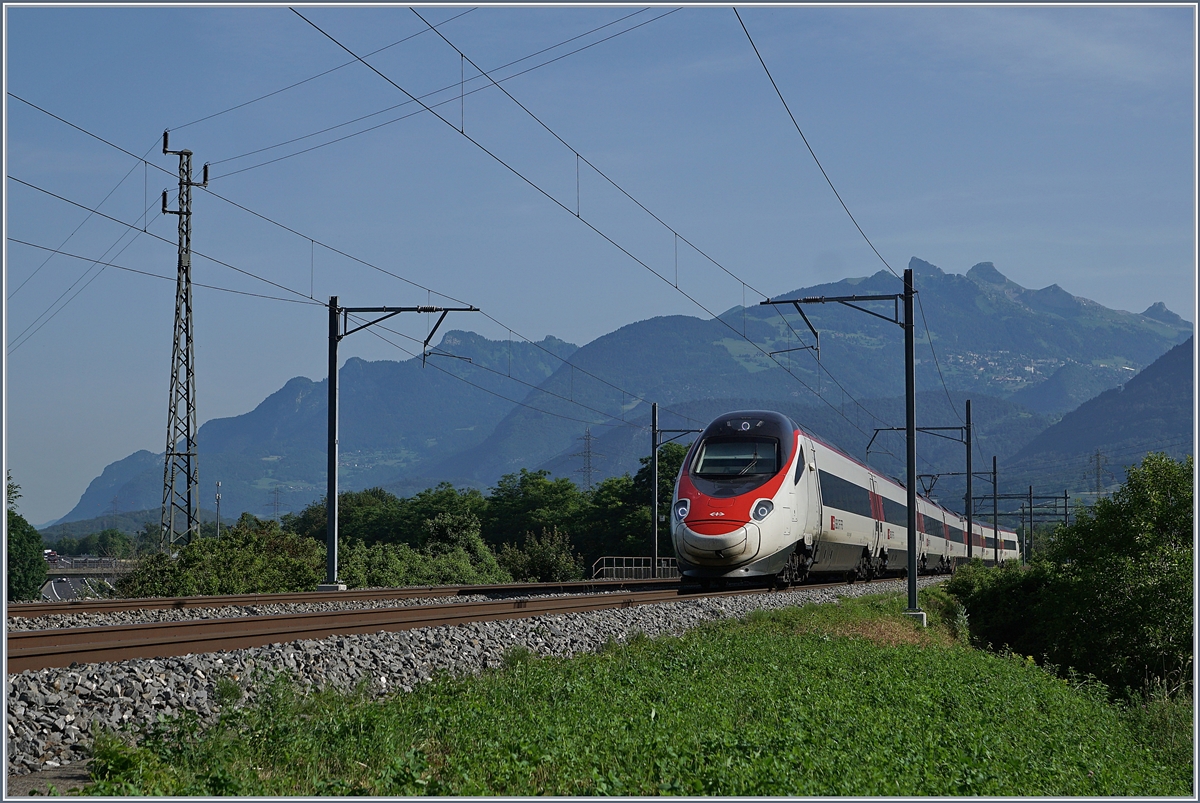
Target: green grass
848 699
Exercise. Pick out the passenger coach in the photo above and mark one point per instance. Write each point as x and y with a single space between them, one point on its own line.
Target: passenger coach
759 497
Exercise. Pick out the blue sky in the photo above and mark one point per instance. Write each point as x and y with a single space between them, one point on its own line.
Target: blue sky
1057 143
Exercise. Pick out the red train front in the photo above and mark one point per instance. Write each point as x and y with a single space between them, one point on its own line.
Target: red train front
735 513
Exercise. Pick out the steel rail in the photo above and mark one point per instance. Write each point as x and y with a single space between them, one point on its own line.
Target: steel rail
36 609
40 649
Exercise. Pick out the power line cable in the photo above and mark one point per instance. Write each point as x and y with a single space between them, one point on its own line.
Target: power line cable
163 239
311 240
303 299
607 415
127 269
554 200
417 285
938 365
585 160
106 197
582 158
610 422
821 367
425 108
75 231
436 91
579 157
842 202
311 78
810 149
25 334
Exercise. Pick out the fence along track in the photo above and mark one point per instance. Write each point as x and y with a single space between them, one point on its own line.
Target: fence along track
39 649
37 609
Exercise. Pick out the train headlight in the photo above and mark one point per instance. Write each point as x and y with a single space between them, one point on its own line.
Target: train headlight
762 508
681 509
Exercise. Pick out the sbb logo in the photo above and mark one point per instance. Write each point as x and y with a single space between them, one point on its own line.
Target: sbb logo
716 513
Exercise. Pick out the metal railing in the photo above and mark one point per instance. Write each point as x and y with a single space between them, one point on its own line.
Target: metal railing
612 567
69 562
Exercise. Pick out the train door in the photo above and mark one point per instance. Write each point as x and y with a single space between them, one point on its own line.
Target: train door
876 537
793 499
808 497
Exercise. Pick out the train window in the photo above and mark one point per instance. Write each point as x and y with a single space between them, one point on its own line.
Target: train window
844 495
799 464
737 457
956 534
895 512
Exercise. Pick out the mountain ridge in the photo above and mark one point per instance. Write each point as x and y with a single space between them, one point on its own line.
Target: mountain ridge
520 406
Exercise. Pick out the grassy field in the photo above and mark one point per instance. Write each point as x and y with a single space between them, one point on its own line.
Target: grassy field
847 699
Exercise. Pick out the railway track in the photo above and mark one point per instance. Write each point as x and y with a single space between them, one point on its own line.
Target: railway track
39 649
86 606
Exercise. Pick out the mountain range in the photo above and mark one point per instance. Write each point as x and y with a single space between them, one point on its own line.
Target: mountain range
1152 411
483 408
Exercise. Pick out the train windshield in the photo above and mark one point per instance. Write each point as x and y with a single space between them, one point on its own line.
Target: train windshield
726 458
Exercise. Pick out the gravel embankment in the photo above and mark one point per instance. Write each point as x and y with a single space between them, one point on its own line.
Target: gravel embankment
53 712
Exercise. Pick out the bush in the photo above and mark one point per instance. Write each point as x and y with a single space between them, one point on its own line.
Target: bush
1113 596
1126 568
547 559
252 557
1009 606
453 554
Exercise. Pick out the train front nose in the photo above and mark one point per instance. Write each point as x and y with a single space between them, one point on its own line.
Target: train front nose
723 543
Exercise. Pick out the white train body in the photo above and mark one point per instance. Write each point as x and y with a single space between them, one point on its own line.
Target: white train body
759 497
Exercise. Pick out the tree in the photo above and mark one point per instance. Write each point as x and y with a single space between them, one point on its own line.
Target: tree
531 502
377 516
617 521
444 499
13 492
453 553
23 549
670 461
112 543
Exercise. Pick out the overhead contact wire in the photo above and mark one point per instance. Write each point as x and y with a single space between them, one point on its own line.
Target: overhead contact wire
558 203
575 214
311 78
429 94
811 152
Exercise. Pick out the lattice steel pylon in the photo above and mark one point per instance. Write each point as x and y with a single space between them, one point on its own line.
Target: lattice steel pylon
181 477
587 454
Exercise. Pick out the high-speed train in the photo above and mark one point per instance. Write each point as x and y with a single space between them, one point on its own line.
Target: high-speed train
759 497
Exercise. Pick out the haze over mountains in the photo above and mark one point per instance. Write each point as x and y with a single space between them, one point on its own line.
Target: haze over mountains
1023 356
